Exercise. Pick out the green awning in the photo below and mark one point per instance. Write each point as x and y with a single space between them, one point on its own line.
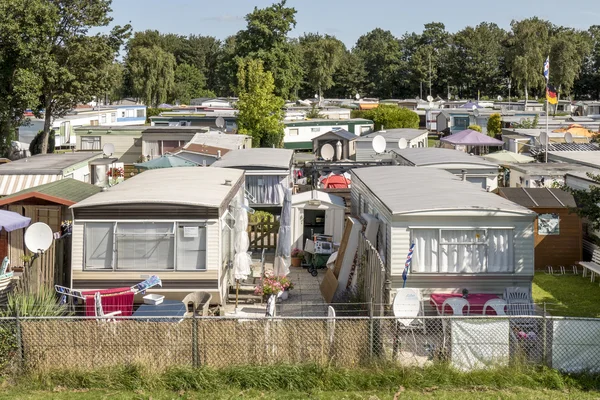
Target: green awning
166 161
298 145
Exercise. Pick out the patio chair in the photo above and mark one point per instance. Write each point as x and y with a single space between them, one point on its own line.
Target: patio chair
498 305
457 304
517 294
100 311
199 301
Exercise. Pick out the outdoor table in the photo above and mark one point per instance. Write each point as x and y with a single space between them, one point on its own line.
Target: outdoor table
168 308
476 300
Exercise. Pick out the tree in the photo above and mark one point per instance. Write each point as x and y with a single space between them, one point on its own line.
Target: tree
527 50
115 90
476 128
35 147
152 72
588 201
72 64
380 54
349 78
314 112
392 117
527 123
321 56
587 86
494 125
428 62
189 84
265 38
260 113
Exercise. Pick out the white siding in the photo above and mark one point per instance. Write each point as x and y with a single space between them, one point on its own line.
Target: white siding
213 248
77 247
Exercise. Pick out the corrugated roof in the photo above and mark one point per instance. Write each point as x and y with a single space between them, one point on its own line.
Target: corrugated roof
256 157
538 197
344 134
409 190
573 147
421 156
187 186
65 191
46 164
393 134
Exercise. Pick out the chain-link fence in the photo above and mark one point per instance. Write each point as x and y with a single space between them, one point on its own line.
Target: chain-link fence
467 343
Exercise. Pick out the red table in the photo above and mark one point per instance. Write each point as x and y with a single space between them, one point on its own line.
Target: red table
476 300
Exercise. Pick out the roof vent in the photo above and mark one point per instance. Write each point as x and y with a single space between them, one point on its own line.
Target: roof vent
227 182
464 174
219 154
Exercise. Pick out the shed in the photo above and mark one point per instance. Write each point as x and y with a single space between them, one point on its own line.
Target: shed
557 230
316 212
413 137
172 222
436 210
346 139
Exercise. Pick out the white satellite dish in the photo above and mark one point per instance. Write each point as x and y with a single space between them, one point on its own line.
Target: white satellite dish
327 152
357 96
569 137
544 138
379 144
499 98
473 107
402 143
108 149
38 237
430 98
220 122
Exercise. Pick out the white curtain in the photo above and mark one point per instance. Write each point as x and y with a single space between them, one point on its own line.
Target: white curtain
425 255
150 148
191 248
264 188
145 246
462 251
98 245
500 250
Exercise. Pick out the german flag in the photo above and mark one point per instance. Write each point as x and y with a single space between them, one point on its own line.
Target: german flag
551 94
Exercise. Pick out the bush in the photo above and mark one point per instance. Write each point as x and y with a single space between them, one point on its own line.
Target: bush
153 112
390 117
474 128
494 125
260 216
35 147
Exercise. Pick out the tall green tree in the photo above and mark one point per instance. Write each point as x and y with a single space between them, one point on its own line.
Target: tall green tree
588 201
349 78
152 72
587 86
429 61
260 113
528 47
115 74
73 63
569 48
380 53
189 84
321 56
265 38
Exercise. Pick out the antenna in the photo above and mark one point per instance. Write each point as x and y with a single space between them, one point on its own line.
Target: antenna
379 144
220 122
544 138
402 143
38 237
327 152
430 98
108 149
569 137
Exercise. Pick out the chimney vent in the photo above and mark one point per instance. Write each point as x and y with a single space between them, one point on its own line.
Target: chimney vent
464 174
227 182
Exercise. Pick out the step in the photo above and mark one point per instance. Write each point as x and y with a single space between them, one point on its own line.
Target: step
241 296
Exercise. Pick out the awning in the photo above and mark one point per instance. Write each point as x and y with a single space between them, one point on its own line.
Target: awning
11 220
10 184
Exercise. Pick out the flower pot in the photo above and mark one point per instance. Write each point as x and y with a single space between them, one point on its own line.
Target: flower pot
284 295
296 262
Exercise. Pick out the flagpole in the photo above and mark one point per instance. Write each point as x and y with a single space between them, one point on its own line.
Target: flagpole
547 133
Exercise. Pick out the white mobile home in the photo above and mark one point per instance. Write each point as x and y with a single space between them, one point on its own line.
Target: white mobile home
299 134
172 222
464 237
413 138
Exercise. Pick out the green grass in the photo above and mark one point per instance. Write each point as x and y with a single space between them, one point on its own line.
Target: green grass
567 295
431 142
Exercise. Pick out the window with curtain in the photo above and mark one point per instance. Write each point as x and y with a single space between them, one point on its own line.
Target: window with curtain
98 245
463 250
90 143
191 247
145 245
264 188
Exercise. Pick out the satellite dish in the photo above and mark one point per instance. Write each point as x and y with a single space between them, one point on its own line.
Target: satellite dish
38 237
569 137
473 107
544 138
402 143
379 144
220 122
108 149
499 98
430 98
327 152
357 96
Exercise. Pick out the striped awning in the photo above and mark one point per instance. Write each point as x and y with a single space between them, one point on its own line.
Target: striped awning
10 184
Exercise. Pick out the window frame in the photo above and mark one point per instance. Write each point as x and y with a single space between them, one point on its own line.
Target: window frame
94 140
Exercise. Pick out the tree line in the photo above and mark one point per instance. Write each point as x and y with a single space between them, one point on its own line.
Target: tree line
49 62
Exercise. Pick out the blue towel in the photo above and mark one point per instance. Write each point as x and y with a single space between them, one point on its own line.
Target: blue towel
154 280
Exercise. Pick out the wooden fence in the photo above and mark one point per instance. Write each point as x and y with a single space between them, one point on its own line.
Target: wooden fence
263 234
51 268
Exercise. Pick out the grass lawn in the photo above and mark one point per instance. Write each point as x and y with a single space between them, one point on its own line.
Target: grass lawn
478 393
431 142
567 295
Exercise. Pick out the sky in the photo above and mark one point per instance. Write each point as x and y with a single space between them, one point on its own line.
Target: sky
347 19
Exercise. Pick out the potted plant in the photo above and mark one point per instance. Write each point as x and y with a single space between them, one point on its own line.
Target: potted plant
272 284
297 256
115 174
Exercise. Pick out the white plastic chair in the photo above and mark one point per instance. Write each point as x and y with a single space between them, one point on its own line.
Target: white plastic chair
100 311
498 305
330 324
457 304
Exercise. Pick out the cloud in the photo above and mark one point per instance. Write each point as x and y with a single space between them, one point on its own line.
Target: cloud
223 18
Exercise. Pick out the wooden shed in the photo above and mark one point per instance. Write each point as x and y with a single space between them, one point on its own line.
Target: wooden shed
557 231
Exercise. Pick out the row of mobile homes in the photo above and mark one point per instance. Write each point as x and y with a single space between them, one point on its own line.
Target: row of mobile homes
394 138
299 134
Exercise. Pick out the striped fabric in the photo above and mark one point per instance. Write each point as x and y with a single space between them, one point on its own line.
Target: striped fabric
10 184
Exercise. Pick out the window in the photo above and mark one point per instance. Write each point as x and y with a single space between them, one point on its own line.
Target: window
140 113
90 143
294 132
98 245
113 117
145 246
461 123
365 129
123 114
103 118
463 250
49 216
265 189
191 247
313 130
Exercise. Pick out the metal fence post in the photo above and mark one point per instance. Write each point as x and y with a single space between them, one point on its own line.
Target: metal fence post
20 358
371 342
544 338
195 362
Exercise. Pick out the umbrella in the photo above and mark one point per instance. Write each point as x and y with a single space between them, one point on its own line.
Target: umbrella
508 157
242 260
166 161
284 238
335 182
11 220
577 131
